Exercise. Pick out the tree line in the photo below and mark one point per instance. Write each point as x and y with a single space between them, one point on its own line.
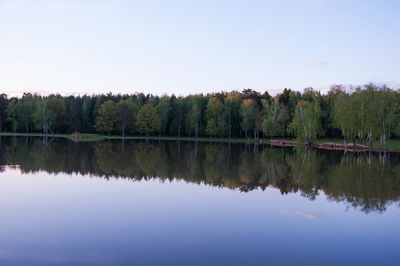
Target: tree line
359 114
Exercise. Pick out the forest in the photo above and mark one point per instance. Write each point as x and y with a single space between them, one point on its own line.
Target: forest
359 115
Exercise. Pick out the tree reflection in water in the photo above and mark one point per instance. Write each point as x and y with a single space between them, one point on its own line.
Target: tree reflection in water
368 181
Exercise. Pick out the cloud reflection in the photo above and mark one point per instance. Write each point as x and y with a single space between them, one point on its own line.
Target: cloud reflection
307 215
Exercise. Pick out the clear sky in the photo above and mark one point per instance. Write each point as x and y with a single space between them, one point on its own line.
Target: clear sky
183 47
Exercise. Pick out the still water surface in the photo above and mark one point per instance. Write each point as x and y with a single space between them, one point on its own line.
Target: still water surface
177 203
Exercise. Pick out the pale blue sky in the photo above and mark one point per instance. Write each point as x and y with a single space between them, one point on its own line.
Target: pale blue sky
182 47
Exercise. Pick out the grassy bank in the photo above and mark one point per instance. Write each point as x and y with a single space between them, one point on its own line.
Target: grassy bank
86 137
97 137
391 144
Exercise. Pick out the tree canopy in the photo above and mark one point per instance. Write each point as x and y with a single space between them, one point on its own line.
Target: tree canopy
107 117
148 121
358 114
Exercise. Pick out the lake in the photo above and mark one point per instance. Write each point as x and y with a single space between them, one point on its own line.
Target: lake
187 203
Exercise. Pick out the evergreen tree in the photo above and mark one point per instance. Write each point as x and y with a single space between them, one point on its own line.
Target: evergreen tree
11 112
232 112
164 109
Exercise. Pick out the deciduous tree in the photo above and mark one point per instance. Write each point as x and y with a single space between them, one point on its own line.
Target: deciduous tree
148 120
106 119
126 115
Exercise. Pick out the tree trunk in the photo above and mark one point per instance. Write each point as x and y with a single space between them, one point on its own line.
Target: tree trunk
302 121
229 130
370 140
384 141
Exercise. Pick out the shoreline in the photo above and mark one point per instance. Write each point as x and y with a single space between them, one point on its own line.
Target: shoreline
323 144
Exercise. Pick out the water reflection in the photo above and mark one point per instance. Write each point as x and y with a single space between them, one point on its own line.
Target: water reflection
367 181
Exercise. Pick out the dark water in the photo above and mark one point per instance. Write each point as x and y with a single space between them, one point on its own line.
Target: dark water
181 203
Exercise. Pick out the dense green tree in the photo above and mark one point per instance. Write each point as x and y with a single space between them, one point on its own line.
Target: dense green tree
194 115
126 111
215 109
248 112
11 112
107 116
275 114
87 115
395 112
232 112
344 116
164 110
306 124
369 126
45 115
55 105
211 128
367 113
148 120
73 107
387 118
25 111
3 113
180 112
